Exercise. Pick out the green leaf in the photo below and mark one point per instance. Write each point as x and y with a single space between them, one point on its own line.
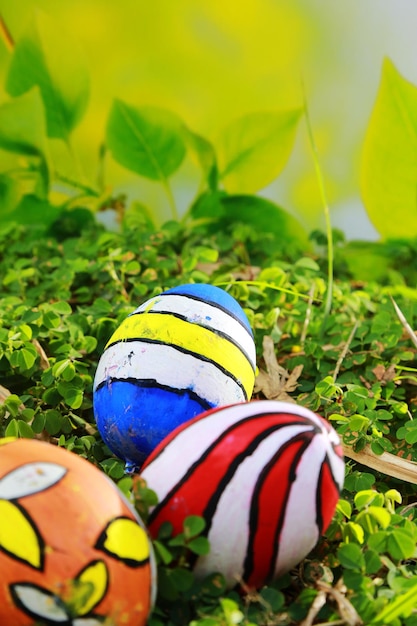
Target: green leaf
12 429
351 556
53 421
138 216
193 525
178 540
231 611
162 552
345 508
372 562
145 140
166 586
208 205
22 125
61 307
353 532
13 404
274 598
27 358
389 159
263 215
205 154
376 447
25 430
359 423
214 585
48 57
393 495
11 190
403 604
358 481
182 578
23 131
38 423
255 148
72 394
165 530
366 260
365 497
24 358
199 545
400 544
64 369
374 517
30 208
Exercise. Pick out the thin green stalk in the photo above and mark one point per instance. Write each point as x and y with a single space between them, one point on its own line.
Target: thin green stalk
101 174
265 285
171 199
77 164
88 191
329 234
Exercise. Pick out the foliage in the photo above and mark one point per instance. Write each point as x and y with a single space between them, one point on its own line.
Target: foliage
63 296
66 285
389 158
49 88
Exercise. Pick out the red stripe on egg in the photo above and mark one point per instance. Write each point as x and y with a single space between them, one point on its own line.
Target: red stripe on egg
213 468
272 491
327 496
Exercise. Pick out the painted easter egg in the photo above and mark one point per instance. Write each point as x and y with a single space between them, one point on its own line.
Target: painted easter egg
265 475
179 354
72 550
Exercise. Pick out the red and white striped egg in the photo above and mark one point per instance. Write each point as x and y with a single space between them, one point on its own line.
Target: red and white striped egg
265 475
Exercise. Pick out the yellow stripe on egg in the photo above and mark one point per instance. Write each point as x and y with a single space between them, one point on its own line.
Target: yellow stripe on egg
206 314
171 330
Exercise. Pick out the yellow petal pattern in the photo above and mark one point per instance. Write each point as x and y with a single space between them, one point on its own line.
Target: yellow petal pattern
18 537
126 540
95 578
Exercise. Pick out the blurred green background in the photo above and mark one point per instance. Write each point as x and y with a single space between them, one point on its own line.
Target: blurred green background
211 61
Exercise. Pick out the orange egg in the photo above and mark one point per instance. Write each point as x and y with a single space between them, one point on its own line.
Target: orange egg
72 549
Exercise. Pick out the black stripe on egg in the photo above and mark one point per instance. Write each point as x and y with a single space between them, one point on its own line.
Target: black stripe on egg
215 331
139 381
149 383
225 478
249 564
215 305
175 304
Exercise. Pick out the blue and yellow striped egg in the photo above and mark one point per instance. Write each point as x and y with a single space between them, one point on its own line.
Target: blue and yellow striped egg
179 354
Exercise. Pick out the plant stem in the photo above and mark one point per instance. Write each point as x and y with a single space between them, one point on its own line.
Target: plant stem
329 234
171 199
6 35
77 165
101 168
89 191
308 314
410 332
345 351
263 284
